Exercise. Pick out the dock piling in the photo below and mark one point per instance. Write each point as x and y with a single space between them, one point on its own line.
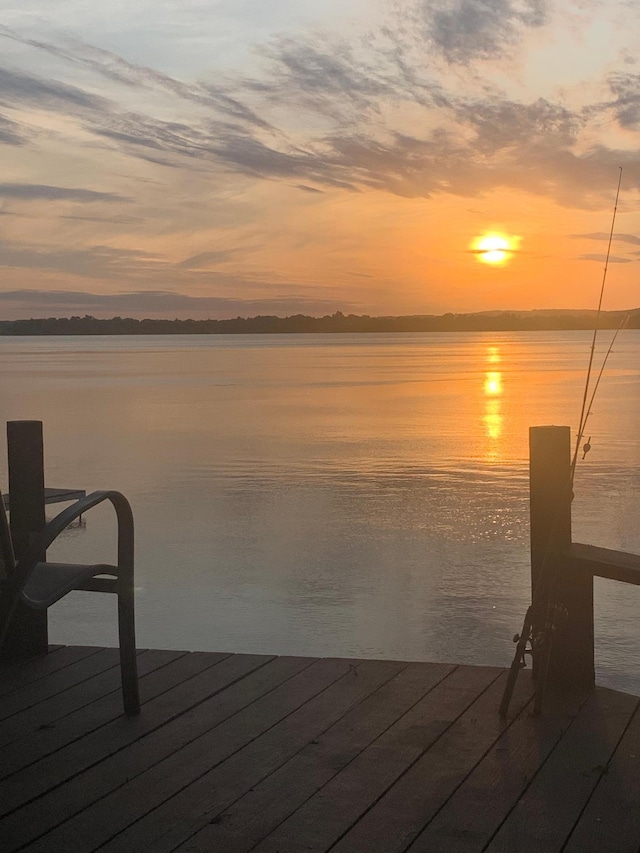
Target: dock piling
562 582
28 633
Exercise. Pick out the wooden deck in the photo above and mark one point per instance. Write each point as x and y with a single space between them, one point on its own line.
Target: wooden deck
252 752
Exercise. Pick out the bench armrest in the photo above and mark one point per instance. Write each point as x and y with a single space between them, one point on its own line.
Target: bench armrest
44 538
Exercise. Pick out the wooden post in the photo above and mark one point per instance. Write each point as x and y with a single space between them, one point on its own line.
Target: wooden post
571 662
28 633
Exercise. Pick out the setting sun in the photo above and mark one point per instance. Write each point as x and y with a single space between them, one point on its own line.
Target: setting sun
493 248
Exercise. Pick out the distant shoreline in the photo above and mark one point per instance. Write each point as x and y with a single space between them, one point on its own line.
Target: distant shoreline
488 321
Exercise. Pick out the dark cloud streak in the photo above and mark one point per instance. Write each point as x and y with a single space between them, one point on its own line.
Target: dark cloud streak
102 262
467 30
116 68
46 94
10 132
626 88
469 145
204 259
31 192
163 303
601 235
613 259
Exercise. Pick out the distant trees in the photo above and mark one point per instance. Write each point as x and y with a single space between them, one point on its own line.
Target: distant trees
337 322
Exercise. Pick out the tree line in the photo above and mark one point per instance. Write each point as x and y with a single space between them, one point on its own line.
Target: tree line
336 322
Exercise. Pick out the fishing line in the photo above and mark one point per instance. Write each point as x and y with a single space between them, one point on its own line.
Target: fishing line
584 411
527 635
587 446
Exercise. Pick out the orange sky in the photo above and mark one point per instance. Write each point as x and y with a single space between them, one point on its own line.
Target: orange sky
280 157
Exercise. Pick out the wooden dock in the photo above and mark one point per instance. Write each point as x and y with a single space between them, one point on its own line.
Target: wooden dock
287 754
54 496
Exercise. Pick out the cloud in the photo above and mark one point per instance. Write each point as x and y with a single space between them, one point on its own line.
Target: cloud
601 235
32 192
117 69
467 30
326 114
469 145
24 89
613 259
251 156
112 220
205 259
626 88
500 123
156 272
162 303
335 82
10 133
89 262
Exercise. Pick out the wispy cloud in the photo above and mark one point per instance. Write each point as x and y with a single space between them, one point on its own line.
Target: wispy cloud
20 88
162 303
33 192
601 235
466 30
115 68
248 173
109 220
626 88
206 259
10 132
326 114
613 259
103 262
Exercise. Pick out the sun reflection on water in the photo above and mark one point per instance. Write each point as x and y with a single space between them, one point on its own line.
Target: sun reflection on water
493 384
493 418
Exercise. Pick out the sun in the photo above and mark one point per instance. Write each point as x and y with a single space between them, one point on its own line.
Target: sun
493 248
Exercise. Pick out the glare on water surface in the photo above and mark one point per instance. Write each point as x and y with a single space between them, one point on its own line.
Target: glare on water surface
358 495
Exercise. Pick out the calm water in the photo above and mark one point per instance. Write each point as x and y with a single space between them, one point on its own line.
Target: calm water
358 495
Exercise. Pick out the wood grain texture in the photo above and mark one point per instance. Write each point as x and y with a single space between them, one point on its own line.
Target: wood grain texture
254 752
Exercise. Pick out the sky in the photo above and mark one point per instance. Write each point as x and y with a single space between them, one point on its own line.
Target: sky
222 158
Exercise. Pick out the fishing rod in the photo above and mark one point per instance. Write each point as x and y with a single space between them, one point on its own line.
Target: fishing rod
585 411
587 447
538 643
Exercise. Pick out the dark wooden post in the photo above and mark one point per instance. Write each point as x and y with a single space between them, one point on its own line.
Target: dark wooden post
571 662
28 634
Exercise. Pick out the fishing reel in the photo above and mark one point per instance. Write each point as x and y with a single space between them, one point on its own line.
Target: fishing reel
537 642
527 648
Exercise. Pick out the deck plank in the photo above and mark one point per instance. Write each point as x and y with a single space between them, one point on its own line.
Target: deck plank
327 816
8 662
49 687
265 806
89 735
550 807
474 813
611 820
401 813
257 742
17 673
78 685
245 677
254 752
130 803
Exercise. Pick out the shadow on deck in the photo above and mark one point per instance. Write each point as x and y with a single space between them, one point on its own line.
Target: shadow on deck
252 752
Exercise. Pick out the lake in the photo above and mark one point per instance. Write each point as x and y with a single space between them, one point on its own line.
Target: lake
353 495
